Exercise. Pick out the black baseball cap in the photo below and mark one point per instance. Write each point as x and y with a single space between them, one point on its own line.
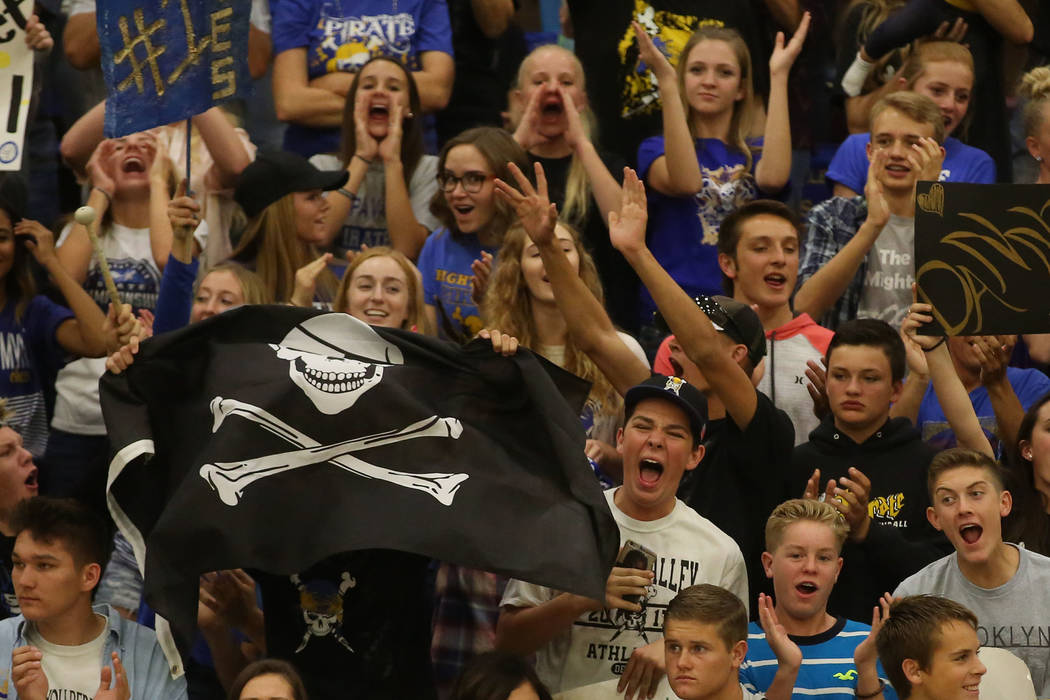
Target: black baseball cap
274 174
676 390
736 319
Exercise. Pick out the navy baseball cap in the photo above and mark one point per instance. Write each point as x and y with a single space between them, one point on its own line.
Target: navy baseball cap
676 390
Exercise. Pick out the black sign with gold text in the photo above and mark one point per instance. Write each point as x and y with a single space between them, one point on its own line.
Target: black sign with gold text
982 257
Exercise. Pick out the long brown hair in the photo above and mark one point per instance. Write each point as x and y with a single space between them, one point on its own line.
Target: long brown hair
1028 522
412 126
743 109
272 248
507 305
498 148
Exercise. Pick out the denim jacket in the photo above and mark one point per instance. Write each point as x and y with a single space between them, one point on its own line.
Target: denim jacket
148 674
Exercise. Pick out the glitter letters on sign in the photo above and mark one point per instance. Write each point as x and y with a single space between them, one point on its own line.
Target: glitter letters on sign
166 60
16 80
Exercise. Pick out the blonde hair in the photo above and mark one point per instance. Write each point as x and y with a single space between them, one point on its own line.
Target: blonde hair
252 288
802 509
740 124
577 184
271 246
1035 87
918 108
415 318
507 305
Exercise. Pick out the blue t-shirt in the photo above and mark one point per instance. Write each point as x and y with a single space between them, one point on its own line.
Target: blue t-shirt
683 231
444 263
962 163
342 35
827 669
30 355
1028 384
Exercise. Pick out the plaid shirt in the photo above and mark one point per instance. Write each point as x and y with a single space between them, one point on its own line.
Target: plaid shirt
830 226
466 609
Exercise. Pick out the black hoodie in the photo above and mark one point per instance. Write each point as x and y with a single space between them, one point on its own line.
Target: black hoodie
901 540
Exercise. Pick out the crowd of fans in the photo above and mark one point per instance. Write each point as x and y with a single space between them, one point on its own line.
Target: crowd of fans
705 209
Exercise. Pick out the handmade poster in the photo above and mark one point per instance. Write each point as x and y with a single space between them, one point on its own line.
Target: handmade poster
982 257
167 60
16 80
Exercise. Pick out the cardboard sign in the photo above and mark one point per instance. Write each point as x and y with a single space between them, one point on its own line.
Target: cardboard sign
982 257
16 80
167 60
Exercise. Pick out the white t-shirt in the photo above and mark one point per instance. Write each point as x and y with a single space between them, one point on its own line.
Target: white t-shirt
366 223
690 550
137 279
891 271
606 690
72 672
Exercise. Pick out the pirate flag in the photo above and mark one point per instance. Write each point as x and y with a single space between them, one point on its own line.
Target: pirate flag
273 437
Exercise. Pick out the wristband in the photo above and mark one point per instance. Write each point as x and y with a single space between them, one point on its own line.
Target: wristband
107 195
931 349
362 158
882 686
348 194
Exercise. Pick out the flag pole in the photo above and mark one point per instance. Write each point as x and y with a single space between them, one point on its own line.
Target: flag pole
189 152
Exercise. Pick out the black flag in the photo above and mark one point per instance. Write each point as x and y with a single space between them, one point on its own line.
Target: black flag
272 437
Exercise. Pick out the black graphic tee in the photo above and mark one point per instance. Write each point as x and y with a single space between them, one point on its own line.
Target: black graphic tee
356 625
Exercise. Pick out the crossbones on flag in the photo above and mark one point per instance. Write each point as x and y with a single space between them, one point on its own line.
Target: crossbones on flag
273 437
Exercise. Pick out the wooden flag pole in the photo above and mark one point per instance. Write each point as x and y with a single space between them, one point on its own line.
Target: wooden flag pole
86 217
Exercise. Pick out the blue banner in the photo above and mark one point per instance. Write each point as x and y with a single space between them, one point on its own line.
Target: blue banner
167 60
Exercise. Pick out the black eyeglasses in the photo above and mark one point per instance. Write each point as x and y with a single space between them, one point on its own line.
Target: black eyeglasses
472 180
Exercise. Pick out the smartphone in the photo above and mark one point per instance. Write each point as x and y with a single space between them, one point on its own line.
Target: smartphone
635 556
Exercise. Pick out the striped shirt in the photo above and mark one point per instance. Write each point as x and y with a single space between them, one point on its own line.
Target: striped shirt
827 670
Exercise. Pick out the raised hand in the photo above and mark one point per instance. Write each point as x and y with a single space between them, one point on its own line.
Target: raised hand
113 683
366 147
926 157
994 353
37 36
527 134
502 343
783 56
27 673
951 32
850 498
817 375
643 673
865 653
878 207
162 167
919 315
42 243
183 213
120 360
627 227
98 167
538 215
786 651
482 269
575 134
306 280
390 146
654 58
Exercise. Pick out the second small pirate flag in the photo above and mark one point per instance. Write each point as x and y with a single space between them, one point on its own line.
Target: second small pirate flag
272 437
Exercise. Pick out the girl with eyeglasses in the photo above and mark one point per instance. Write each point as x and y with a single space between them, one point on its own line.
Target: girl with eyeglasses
385 201
474 222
